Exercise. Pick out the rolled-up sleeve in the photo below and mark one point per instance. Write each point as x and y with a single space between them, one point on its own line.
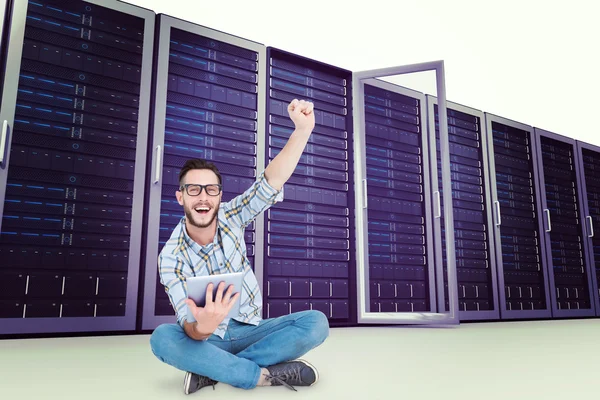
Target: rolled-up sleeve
245 207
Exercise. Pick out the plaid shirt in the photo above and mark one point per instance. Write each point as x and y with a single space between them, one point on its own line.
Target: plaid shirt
181 257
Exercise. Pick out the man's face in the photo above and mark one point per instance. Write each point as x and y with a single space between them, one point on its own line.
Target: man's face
200 210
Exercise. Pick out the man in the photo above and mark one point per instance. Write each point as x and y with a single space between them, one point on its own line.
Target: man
246 351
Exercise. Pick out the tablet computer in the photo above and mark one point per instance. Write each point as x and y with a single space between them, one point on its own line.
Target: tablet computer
197 285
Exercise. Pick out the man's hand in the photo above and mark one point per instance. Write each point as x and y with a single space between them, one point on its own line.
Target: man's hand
301 113
212 314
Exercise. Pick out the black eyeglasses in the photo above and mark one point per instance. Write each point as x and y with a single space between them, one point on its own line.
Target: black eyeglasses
193 189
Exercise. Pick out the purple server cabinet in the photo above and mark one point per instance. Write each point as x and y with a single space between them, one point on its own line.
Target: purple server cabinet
309 237
207 105
397 266
74 114
474 241
589 174
518 226
569 262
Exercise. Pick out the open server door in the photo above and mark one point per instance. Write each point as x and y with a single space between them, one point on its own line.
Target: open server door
396 265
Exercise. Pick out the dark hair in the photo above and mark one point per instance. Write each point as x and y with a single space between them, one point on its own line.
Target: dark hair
198 164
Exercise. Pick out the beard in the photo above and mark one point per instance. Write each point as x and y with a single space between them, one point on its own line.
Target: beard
195 219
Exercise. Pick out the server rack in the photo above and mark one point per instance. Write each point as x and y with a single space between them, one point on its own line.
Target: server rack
309 262
567 254
75 107
396 265
475 250
589 165
73 155
400 231
518 230
207 105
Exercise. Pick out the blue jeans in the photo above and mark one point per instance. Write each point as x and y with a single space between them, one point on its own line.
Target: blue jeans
238 358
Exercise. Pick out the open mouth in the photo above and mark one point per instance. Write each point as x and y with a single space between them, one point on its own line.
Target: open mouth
202 210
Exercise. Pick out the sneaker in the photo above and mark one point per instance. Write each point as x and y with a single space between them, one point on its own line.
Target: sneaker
292 373
194 382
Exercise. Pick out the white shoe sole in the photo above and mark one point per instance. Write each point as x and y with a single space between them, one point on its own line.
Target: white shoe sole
311 367
186 383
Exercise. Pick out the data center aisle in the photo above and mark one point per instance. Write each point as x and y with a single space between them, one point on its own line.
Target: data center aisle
520 360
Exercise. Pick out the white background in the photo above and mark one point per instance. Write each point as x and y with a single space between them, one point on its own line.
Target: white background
531 61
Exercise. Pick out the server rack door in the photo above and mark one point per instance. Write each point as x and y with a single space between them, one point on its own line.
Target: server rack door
309 263
474 244
589 167
5 13
518 229
396 266
564 220
207 105
76 105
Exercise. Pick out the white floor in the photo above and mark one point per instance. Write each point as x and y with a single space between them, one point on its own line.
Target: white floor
509 361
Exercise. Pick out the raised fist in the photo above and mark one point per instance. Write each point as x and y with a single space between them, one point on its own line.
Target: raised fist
302 113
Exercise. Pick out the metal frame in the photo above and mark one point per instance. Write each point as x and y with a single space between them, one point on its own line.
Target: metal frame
539 133
467 315
7 113
9 94
586 213
3 16
362 259
166 23
504 312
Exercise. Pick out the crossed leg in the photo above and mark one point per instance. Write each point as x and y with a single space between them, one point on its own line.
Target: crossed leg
237 360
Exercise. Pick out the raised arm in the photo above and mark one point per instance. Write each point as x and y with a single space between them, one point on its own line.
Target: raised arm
267 190
283 165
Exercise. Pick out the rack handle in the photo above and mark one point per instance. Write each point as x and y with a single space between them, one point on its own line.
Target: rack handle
364 193
548 218
498 217
3 142
591 226
438 204
158 164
